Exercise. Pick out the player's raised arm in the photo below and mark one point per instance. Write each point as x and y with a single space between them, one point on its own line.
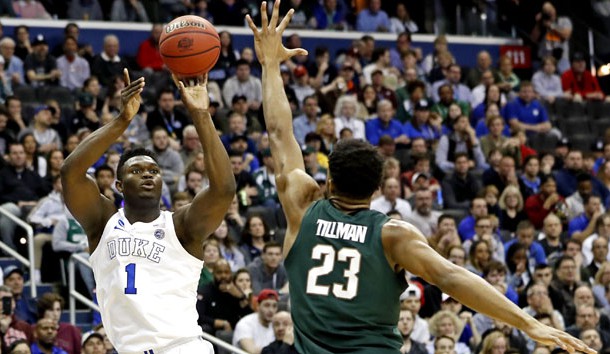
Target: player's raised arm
80 191
197 220
407 248
295 188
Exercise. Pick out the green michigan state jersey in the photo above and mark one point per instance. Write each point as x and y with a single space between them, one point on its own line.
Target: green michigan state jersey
343 292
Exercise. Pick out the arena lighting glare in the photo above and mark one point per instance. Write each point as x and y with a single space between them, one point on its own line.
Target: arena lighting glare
604 70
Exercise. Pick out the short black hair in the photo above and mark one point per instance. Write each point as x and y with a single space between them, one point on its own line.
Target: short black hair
377 53
139 151
444 217
70 25
460 154
530 158
163 91
321 50
355 168
241 62
103 168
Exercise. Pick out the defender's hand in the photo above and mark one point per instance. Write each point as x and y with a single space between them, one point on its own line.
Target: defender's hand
130 96
268 41
194 94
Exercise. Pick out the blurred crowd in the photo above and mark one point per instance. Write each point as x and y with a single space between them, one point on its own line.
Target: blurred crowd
507 173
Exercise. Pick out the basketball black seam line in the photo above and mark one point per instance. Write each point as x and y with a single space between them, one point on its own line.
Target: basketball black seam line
177 34
204 69
189 55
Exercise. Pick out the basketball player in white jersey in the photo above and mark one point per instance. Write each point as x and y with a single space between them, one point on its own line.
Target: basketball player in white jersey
147 261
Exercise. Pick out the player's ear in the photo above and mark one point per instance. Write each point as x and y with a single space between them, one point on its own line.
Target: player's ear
119 185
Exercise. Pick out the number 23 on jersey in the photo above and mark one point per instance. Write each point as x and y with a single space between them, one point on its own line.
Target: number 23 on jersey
327 254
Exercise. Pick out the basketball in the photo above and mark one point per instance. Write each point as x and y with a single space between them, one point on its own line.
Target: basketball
189 46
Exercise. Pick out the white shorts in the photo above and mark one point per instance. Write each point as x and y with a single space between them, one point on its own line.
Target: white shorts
197 345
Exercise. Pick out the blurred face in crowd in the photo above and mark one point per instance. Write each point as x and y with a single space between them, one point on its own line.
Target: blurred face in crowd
14 107
566 272
391 189
222 272
310 107
592 339
583 296
166 102
237 164
548 188
454 75
496 126
579 66
483 60
552 227
256 227
461 165
385 111
532 167
600 249
243 72
479 207
604 229
348 109
7 49
160 140
237 124
423 202
418 146
281 323
70 47
243 282
444 346
17 156
266 310
574 160
593 206
586 317
526 236
111 46
526 93
445 94
54 313
544 275
211 254
46 332
406 320
446 327
194 181
272 257
412 304
537 295
487 79
457 256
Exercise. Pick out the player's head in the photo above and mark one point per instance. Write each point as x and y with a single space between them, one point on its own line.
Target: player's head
139 175
355 169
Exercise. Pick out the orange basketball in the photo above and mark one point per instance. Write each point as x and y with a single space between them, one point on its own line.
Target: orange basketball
189 46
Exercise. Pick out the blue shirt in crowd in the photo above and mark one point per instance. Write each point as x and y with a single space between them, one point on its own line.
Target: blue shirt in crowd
375 129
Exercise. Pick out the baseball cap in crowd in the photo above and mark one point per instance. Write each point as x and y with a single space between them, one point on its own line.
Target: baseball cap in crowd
39 40
300 71
422 105
563 142
44 107
12 269
578 56
597 146
91 334
417 175
267 294
235 138
412 291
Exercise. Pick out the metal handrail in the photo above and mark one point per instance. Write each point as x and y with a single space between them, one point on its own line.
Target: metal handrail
75 295
28 262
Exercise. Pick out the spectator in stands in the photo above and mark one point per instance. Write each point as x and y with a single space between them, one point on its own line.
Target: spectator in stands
19 346
600 255
525 236
504 176
492 96
484 64
20 189
228 250
30 9
578 83
242 83
239 104
406 321
390 199
529 180
381 61
227 59
268 272
447 324
496 140
410 300
69 236
539 302
265 181
40 67
13 65
373 19
563 285
108 64
34 160
68 338
87 10
148 56
46 137
93 343
306 122
6 137
552 33
527 113
462 139
592 338
547 83
191 146
583 225
587 317
166 116
74 69
552 243
128 11
45 337
508 81
385 124
330 15
478 209
22 39
575 202
45 215
229 12
402 22
423 217
415 92
211 255
11 323
443 345
460 187
86 116
326 130
539 205
345 117
303 12
254 331
168 159
221 304
461 92
567 180
284 336
446 99
254 237
511 206
25 307
602 229
301 86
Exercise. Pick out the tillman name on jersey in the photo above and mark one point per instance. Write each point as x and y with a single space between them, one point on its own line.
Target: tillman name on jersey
341 230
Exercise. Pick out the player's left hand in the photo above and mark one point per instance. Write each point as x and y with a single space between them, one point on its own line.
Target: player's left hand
194 93
268 41
130 96
554 337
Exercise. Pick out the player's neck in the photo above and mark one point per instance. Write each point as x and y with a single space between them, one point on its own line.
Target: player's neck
141 213
348 205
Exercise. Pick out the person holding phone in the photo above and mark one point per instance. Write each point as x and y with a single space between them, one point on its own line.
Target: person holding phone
9 322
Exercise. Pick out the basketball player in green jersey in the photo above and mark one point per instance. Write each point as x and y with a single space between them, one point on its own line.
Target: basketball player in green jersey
345 262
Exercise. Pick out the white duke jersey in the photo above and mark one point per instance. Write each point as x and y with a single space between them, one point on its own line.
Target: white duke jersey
146 285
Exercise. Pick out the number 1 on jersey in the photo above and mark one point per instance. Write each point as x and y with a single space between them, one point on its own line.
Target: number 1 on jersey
131 279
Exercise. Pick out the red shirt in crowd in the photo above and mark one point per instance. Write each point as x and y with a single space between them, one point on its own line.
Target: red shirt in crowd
149 56
586 85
